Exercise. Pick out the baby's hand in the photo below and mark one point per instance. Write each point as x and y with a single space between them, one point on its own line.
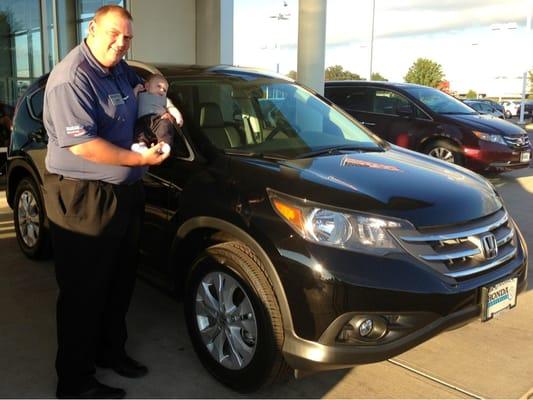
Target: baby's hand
137 89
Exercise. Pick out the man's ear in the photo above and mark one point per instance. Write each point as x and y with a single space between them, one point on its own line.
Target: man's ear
92 28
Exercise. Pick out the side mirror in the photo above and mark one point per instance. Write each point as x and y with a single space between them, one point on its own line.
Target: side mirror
405 110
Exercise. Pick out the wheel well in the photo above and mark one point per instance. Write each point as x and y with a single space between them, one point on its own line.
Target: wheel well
424 144
15 176
186 249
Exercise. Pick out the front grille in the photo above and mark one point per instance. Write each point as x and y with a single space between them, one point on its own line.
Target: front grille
517 141
465 250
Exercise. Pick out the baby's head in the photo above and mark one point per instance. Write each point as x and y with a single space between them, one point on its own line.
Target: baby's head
156 84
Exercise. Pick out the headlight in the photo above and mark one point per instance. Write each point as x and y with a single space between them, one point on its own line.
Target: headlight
337 228
489 138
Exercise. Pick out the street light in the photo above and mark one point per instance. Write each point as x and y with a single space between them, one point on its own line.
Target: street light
281 16
372 40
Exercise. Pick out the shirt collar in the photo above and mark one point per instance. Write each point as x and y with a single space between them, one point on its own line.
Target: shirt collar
93 62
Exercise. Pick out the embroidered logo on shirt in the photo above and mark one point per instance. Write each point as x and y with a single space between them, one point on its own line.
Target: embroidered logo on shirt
75 131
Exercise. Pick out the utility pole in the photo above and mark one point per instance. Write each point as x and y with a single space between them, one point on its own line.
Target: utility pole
372 40
281 16
524 77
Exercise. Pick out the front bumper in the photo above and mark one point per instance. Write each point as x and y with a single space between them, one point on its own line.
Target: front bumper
307 355
494 156
417 303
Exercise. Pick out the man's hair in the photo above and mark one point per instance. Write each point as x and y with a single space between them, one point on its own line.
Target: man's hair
112 8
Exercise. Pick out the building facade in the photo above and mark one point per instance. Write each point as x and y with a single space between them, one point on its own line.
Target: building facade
165 31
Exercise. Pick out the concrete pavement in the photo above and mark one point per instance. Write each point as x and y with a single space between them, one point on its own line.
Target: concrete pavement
480 360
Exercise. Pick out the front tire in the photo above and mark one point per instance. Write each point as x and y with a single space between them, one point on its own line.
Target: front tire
234 319
30 221
445 151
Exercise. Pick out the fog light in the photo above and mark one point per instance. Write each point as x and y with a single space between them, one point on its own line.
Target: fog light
366 327
363 328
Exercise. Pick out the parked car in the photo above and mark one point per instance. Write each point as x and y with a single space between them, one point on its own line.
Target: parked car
494 104
299 240
432 122
485 108
511 108
528 108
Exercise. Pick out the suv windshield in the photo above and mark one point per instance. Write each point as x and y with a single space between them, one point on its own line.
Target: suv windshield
266 116
439 102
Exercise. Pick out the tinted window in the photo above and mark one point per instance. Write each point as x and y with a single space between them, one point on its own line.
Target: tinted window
439 102
265 115
353 98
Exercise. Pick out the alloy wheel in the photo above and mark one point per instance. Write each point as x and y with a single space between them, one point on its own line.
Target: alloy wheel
28 218
226 320
442 153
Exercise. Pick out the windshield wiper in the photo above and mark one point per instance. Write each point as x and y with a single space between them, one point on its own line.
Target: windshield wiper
338 150
248 153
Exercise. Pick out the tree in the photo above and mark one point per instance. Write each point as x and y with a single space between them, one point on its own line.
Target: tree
471 94
425 72
292 74
530 73
376 76
338 73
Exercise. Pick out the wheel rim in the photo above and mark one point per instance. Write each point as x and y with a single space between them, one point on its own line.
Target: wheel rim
226 320
442 153
28 218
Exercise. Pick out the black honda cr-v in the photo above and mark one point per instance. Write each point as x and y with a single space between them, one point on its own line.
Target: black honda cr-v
299 240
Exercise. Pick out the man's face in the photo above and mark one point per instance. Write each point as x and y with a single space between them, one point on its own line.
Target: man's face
110 38
157 86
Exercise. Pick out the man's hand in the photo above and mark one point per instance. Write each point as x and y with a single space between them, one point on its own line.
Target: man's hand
155 155
101 151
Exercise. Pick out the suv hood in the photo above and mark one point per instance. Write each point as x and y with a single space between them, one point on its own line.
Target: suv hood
396 182
487 124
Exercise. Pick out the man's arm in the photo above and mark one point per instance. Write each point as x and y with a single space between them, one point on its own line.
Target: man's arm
101 151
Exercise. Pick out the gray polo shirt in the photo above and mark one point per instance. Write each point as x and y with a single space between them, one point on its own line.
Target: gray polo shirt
84 100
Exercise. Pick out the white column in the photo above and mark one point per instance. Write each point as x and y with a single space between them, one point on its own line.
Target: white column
312 43
214 32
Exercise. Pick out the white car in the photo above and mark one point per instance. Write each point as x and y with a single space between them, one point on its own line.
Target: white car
511 108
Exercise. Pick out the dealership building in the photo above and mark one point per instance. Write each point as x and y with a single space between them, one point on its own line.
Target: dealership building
36 34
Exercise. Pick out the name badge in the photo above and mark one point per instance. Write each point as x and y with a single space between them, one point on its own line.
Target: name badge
116 99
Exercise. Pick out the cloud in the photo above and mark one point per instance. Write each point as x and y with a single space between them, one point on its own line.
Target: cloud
349 21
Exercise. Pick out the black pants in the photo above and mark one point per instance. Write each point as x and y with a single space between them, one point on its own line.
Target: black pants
95 229
152 129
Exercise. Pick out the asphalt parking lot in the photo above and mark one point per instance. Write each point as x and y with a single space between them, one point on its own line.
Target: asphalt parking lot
480 360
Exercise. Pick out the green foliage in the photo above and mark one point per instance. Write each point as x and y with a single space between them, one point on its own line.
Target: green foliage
292 74
338 73
376 76
425 72
471 94
530 73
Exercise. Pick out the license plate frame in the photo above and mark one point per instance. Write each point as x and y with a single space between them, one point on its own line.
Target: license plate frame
525 156
498 297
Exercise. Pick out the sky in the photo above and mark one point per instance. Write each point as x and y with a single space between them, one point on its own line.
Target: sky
482 45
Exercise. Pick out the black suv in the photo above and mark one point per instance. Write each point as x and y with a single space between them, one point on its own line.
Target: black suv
432 122
298 239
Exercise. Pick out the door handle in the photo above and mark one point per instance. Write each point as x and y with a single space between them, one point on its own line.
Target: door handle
368 123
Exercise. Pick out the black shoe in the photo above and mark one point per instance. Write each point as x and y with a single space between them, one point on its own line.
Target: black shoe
97 390
124 366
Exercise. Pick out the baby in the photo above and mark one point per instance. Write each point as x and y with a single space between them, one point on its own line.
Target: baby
154 117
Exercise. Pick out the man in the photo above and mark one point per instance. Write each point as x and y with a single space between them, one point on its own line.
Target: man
94 200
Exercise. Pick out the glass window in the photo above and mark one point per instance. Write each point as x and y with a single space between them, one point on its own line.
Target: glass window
85 12
438 101
20 47
265 116
351 98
